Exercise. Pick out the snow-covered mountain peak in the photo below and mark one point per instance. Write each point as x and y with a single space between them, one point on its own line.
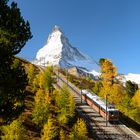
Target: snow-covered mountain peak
133 77
56 28
55 34
58 51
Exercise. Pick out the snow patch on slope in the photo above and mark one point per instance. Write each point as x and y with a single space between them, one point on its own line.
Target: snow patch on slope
133 77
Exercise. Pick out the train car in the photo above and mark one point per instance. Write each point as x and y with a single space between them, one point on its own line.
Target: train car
109 112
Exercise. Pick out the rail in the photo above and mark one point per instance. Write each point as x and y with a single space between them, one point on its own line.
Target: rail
88 121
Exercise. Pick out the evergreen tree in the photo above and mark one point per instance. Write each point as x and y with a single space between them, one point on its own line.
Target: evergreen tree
101 61
14 92
14 33
131 87
14 30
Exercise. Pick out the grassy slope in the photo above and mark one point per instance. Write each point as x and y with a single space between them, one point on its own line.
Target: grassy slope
26 115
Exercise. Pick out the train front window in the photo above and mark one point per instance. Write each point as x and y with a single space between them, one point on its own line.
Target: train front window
113 113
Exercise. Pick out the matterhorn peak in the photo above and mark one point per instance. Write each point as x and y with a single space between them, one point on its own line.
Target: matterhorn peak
58 51
55 35
56 28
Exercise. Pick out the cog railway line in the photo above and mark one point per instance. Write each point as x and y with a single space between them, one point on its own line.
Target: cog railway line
95 123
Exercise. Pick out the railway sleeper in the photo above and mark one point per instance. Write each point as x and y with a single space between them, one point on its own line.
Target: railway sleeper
127 136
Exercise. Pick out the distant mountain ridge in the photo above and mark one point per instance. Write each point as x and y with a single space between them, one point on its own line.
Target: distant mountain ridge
133 77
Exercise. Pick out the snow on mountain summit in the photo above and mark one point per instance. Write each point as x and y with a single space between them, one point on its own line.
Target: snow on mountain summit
58 51
133 77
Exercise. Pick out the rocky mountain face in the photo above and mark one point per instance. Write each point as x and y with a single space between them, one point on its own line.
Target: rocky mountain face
58 51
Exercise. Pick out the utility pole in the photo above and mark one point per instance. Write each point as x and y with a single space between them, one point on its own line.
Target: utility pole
81 95
106 111
66 70
81 86
44 61
81 90
67 75
58 75
40 61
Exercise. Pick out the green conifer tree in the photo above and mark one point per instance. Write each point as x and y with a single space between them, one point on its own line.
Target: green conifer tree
14 33
131 87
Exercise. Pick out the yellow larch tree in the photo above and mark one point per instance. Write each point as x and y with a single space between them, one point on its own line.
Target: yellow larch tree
31 73
50 130
41 80
41 110
62 135
135 103
136 99
79 131
108 71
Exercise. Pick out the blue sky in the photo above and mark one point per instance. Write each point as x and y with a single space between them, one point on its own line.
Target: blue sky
100 28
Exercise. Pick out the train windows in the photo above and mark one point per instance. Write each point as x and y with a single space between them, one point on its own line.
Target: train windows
96 104
103 109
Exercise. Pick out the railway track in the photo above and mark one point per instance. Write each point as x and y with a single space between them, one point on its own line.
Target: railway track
99 130
102 132
124 135
89 123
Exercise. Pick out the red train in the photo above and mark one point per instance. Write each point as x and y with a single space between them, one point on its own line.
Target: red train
109 112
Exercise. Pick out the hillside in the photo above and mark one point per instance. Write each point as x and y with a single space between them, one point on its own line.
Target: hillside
27 116
34 94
